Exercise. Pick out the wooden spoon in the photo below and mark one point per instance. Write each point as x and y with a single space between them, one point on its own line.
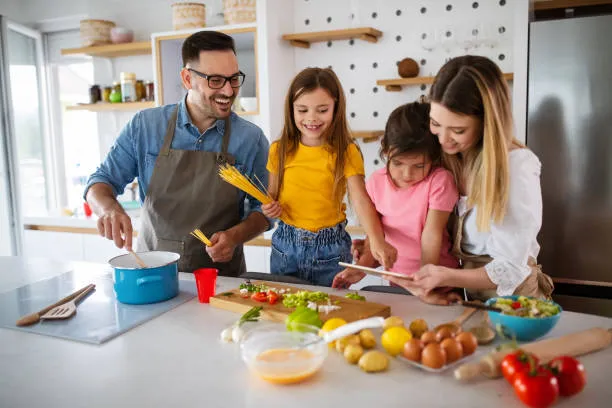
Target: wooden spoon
35 317
455 325
139 260
67 309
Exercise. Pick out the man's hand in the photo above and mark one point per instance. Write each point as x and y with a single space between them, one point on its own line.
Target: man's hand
222 248
116 225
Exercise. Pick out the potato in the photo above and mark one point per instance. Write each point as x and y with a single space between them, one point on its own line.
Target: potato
392 321
374 361
352 353
345 341
368 340
418 327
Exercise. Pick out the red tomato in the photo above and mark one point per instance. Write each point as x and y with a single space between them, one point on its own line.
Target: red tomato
570 375
260 296
516 305
515 363
537 389
273 297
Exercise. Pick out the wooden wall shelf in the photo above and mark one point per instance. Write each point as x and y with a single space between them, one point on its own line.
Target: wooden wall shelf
368 136
396 84
303 40
107 107
112 50
561 4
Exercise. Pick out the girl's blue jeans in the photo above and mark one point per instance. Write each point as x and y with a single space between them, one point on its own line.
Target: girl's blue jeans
311 256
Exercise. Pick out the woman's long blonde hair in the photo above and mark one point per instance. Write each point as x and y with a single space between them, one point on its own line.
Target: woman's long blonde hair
337 136
475 86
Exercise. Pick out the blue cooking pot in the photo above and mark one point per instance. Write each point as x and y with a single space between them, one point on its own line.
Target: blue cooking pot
155 283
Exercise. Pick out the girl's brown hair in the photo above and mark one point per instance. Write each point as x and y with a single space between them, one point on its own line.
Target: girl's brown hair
475 86
337 136
407 131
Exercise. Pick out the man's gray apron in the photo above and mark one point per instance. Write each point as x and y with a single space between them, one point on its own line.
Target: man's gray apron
186 193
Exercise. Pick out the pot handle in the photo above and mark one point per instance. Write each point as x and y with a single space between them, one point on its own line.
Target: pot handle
148 279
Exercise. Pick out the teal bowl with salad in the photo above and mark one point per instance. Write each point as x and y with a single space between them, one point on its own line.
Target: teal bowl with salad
524 317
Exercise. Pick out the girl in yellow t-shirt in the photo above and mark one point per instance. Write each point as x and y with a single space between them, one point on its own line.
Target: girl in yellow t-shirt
311 166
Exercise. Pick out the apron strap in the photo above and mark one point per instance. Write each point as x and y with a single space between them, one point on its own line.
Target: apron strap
165 150
223 157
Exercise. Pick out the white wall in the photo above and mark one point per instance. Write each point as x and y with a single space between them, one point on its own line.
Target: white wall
13 9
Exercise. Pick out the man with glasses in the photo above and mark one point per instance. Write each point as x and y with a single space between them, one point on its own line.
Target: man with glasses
175 151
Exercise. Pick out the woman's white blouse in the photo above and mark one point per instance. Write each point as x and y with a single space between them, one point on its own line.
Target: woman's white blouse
512 242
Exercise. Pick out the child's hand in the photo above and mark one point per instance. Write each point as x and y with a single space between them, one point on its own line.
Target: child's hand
346 278
429 277
357 249
272 210
384 253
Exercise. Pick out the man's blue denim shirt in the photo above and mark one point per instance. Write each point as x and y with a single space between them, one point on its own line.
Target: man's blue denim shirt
134 152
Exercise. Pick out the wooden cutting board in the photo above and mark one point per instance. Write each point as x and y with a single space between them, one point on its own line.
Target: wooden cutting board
350 309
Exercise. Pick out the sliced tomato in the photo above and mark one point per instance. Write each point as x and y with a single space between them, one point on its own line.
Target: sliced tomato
273 297
260 296
516 305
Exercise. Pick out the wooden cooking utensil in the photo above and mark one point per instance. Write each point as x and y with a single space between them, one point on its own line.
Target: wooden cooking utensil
455 325
35 317
483 332
575 344
139 260
478 305
67 309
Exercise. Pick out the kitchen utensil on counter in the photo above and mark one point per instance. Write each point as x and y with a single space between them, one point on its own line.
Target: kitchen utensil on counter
575 344
483 331
523 328
349 309
200 235
67 309
206 279
139 261
155 283
455 325
276 355
346 330
35 317
372 271
482 306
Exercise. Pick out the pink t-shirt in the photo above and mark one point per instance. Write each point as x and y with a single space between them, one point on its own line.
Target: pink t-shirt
404 211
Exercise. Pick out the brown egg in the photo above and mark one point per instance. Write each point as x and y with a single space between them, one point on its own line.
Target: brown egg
453 350
428 337
433 356
444 333
468 342
413 349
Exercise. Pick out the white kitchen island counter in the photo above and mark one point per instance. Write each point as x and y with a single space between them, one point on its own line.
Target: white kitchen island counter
177 360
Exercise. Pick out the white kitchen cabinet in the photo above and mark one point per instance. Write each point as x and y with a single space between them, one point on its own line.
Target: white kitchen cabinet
257 258
60 246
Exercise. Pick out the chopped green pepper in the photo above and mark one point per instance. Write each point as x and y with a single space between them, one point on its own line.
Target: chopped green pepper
303 316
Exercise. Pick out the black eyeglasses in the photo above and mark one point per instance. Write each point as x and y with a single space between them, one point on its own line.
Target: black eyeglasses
218 81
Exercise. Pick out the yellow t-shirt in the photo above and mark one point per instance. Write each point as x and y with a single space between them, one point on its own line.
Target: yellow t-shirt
307 191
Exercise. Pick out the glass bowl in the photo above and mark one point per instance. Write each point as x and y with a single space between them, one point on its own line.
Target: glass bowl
276 355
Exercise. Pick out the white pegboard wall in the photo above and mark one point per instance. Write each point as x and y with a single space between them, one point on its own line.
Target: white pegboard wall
359 64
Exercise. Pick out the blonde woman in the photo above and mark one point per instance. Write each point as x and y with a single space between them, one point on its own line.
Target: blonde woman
499 213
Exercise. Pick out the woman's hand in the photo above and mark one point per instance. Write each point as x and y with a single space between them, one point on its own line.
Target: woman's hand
441 296
384 253
272 210
428 278
345 278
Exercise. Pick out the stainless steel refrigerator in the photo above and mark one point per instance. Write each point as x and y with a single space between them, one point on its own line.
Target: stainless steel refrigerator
569 127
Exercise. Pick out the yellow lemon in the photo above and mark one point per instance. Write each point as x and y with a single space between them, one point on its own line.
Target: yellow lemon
330 325
394 338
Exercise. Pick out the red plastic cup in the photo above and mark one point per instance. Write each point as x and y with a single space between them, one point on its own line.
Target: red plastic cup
87 209
206 279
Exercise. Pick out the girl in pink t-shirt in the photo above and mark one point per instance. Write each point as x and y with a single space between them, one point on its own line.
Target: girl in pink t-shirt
413 195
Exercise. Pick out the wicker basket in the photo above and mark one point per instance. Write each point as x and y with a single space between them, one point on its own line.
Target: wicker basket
239 11
95 32
188 15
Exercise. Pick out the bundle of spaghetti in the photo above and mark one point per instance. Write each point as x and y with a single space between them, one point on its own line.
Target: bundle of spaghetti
200 235
255 189
233 176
